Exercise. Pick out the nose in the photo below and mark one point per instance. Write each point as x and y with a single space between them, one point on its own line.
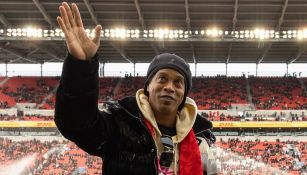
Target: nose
169 87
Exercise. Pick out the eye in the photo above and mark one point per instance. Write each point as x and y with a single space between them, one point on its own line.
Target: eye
162 79
179 83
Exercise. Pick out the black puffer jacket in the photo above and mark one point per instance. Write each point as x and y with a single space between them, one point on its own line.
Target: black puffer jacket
117 134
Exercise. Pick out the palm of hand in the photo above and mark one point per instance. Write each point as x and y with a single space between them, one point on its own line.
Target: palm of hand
79 44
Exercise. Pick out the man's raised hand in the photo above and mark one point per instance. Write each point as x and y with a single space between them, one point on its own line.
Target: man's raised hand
78 43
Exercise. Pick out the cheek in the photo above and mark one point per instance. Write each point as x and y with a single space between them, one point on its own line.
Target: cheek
181 95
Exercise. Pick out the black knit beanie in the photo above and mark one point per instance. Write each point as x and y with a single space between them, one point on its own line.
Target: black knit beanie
172 61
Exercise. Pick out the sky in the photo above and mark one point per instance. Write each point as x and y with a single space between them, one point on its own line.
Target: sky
205 69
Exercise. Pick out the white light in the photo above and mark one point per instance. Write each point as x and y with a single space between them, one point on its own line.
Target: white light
1 31
202 32
261 33
196 32
214 32
220 32
208 32
300 35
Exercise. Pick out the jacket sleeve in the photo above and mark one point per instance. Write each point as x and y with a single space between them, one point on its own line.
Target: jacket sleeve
76 110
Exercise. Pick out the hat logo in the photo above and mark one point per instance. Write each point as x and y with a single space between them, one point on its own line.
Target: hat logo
172 60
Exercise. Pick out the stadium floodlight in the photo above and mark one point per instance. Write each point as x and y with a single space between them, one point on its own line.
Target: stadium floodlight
57 32
300 35
163 33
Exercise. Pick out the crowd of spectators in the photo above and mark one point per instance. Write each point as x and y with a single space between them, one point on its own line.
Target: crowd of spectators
275 116
218 92
28 90
51 157
289 156
278 93
234 156
4 105
5 117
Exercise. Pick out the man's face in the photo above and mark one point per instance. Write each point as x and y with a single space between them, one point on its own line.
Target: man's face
166 91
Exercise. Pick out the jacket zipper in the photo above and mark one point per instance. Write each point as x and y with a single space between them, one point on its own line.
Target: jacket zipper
152 140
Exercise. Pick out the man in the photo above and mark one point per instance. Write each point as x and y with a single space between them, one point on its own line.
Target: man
156 132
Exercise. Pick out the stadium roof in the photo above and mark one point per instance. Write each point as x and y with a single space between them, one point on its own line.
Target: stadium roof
187 15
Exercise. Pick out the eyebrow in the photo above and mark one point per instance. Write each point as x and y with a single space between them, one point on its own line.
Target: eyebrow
178 76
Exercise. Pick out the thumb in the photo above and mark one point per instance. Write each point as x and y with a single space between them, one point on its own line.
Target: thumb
96 39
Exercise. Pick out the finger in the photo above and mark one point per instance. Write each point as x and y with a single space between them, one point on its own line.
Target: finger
69 14
97 34
61 24
78 18
65 17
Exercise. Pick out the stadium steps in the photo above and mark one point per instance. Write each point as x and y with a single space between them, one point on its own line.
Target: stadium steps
248 90
117 87
4 81
49 96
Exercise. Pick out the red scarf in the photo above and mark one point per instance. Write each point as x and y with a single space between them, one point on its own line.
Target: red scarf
189 155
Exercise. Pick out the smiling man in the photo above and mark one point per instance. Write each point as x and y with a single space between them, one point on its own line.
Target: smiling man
157 131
